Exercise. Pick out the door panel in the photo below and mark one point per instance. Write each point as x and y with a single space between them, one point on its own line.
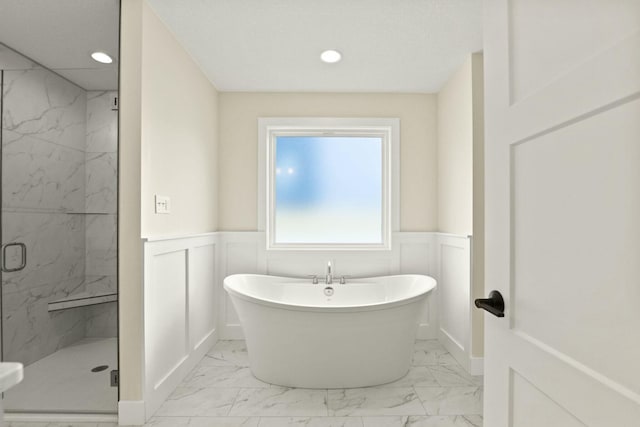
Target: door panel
562 88
539 32
575 230
533 408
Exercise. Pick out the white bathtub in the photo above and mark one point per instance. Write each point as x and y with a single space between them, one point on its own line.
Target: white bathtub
362 335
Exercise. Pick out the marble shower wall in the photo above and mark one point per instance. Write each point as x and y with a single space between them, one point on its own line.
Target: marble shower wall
43 200
101 168
59 178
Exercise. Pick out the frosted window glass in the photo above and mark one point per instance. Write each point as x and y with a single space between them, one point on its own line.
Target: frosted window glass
328 189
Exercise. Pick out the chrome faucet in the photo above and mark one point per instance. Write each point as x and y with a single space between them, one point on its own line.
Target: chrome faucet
329 279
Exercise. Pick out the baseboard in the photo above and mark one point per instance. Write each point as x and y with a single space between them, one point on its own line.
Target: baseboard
157 393
41 417
476 365
426 331
131 413
454 348
231 332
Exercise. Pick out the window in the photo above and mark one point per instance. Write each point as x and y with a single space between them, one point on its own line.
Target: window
328 183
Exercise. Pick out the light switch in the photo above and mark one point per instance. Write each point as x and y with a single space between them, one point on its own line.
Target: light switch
163 204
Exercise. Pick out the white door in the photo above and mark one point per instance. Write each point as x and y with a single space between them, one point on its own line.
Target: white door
563 212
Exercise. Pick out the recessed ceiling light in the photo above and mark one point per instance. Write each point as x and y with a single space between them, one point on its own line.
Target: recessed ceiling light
331 56
101 57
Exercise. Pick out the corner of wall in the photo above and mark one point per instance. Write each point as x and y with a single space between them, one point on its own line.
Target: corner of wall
129 225
477 76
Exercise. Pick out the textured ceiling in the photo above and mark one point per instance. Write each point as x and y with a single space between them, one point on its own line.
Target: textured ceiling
61 34
274 45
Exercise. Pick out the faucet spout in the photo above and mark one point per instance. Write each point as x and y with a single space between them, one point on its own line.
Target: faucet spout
329 278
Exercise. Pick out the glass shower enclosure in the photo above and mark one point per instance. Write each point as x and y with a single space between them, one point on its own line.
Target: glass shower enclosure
59 238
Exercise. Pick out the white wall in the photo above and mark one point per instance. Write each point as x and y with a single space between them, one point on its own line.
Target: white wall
239 113
168 142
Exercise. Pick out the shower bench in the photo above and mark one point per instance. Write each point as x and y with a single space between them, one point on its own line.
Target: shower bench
82 299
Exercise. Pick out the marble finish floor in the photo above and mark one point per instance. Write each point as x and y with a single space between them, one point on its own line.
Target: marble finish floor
63 381
222 392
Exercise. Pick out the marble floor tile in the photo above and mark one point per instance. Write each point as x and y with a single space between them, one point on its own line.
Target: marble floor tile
189 401
451 400
430 345
423 421
223 376
310 422
374 401
418 376
454 376
227 353
224 422
62 424
280 401
167 422
431 352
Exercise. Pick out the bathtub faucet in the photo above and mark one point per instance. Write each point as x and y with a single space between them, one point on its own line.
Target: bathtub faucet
329 279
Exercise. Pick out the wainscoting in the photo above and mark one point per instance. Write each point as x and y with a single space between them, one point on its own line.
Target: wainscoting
186 309
244 252
180 300
453 272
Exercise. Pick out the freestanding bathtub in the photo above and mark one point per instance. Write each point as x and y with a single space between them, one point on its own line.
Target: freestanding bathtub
298 335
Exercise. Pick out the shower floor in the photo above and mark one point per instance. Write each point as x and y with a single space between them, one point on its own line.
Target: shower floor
63 381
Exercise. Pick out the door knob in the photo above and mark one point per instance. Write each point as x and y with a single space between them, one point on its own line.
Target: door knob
494 304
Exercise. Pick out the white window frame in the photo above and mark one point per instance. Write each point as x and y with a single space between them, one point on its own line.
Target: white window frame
387 128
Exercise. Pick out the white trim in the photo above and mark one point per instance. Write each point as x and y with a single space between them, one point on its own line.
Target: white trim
131 413
476 365
387 128
178 236
455 348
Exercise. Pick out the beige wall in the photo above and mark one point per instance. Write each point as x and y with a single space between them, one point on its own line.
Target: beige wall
477 319
455 153
129 229
179 136
461 172
239 113
168 143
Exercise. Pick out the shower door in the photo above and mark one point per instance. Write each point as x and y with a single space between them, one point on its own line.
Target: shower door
59 316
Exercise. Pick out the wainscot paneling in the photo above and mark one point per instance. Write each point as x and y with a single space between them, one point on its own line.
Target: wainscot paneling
186 309
245 252
453 273
181 297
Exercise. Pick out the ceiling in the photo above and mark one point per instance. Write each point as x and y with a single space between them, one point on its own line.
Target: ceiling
61 34
263 45
274 45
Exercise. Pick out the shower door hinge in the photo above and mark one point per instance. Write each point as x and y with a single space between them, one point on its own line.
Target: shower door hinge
115 378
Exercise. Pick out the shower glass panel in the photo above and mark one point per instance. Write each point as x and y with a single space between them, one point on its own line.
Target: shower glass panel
58 233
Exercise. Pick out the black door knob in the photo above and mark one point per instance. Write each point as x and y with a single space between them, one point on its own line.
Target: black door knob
494 304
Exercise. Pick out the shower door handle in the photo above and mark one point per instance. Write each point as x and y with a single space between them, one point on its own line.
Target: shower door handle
23 260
